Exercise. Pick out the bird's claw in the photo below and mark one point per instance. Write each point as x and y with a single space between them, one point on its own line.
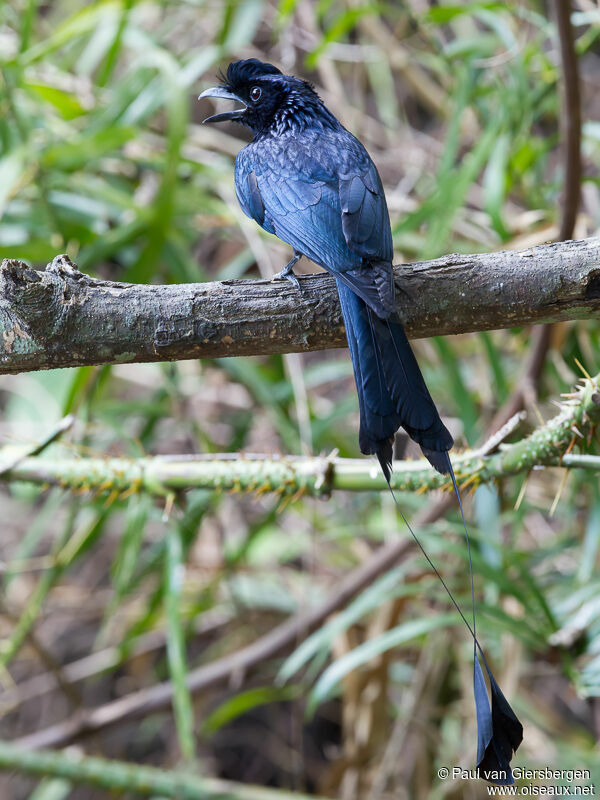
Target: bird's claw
288 275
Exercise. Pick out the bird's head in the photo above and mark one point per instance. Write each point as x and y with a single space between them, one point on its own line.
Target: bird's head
270 100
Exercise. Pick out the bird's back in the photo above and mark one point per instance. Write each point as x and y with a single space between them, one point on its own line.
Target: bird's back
319 191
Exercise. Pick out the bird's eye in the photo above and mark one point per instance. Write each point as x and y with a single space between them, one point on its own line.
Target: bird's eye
255 93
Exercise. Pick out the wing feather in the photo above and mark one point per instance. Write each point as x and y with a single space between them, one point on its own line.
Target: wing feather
336 216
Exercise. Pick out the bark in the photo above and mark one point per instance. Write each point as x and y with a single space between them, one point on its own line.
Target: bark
60 317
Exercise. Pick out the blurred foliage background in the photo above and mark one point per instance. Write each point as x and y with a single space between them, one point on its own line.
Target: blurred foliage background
102 156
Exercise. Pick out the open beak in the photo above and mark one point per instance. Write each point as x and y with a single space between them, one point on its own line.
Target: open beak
220 91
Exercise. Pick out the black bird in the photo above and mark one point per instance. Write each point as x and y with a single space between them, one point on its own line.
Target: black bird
309 181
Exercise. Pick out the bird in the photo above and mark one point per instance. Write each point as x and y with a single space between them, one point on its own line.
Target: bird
309 181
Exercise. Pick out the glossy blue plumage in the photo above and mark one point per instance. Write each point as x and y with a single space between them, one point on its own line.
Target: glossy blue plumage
309 181
326 201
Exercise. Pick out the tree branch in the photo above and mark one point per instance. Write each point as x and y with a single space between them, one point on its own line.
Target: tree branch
62 318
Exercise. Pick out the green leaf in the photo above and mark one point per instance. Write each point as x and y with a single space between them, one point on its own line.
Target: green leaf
65 102
245 701
342 24
83 150
495 359
173 585
128 552
443 14
495 181
241 24
462 397
591 542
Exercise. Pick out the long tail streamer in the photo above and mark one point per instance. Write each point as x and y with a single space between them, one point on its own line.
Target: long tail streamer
499 731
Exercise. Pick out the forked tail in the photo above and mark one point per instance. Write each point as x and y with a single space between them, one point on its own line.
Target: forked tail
392 393
391 389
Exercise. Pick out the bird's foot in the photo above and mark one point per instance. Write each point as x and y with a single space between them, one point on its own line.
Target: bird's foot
287 273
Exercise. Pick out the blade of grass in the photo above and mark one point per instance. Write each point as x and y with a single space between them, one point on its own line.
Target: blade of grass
172 594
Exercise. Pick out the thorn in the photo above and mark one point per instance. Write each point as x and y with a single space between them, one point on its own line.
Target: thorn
169 501
470 480
522 492
583 369
559 492
538 414
131 490
569 448
591 434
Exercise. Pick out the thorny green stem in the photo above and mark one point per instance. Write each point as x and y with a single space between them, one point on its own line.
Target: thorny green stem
548 446
117 776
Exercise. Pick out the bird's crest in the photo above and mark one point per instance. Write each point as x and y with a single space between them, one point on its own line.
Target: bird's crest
273 102
249 69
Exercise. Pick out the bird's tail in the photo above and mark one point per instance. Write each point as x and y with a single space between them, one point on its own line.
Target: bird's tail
499 730
392 393
391 389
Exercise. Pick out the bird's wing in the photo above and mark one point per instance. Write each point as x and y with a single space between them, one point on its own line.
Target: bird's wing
248 193
365 218
326 203
366 228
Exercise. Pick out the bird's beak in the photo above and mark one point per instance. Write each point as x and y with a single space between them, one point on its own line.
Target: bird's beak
220 91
